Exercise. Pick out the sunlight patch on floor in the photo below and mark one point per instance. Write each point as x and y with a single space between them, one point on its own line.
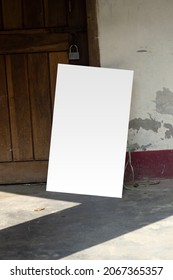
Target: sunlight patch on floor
150 242
16 209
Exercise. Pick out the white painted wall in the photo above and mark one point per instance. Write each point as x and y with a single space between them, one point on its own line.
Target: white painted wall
138 35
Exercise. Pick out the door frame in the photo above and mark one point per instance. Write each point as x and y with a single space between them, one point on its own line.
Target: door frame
92 24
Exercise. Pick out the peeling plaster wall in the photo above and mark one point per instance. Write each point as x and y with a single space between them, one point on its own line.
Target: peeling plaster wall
138 35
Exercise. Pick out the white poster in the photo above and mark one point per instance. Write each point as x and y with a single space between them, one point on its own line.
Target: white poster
89 131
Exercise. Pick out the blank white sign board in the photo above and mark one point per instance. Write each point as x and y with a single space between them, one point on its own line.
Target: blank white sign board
89 131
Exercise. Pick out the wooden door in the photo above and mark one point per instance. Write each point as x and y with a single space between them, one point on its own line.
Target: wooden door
35 36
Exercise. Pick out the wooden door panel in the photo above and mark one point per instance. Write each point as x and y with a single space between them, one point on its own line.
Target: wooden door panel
39 86
33 13
77 14
23 172
1 25
12 14
19 104
33 41
55 13
54 59
5 140
34 37
26 103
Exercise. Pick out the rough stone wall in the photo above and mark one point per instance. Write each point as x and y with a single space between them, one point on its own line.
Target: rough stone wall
138 35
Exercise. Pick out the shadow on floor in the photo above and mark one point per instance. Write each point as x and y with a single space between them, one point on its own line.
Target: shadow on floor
94 221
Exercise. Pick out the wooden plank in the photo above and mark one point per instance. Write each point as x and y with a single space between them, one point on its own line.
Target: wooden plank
40 103
55 13
19 107
12 14
23 172
77 14
33 13
54 59
93 44
1 24
24 32
24 43
5 142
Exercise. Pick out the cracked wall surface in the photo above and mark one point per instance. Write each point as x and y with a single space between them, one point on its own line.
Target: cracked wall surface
169 131
147 124
137 35
164 101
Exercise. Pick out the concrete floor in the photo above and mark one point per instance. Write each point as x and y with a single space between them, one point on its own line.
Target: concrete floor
35 224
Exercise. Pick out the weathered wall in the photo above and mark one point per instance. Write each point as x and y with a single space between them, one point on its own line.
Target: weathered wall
138 35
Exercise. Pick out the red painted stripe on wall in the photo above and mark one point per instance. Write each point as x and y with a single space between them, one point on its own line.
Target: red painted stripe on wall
150 164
